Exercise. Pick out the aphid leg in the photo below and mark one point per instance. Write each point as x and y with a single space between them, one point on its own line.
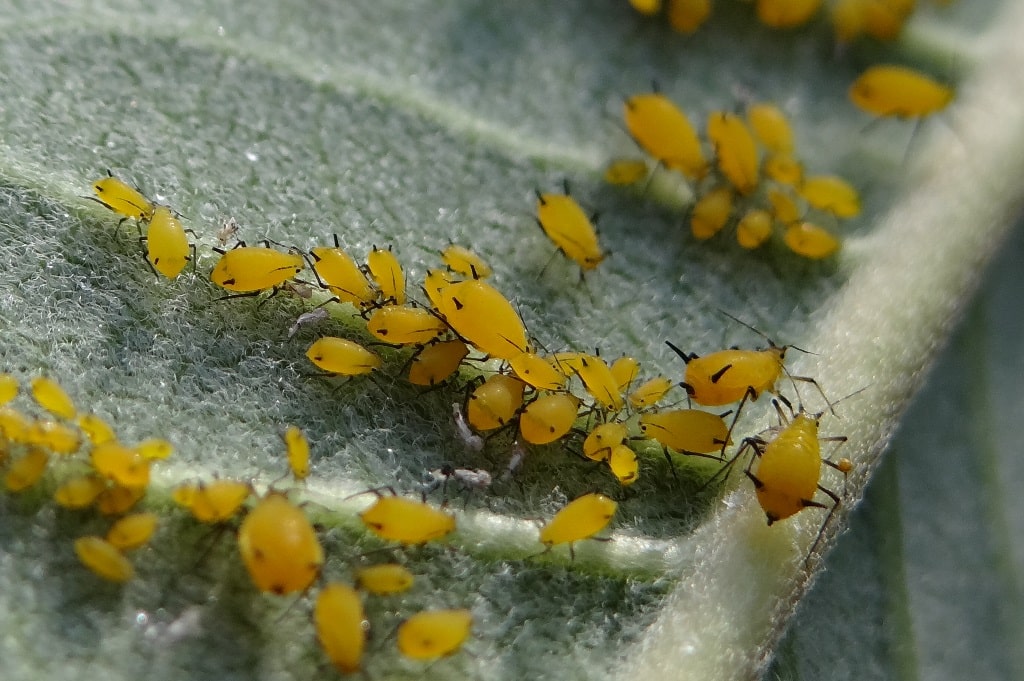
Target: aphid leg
750 393
828 518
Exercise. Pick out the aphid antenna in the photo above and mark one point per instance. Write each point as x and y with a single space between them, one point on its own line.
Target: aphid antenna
376 491
682 355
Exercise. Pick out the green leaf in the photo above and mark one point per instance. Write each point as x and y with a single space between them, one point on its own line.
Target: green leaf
393 123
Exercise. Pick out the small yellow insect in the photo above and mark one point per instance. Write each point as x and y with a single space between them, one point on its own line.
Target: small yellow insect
154 449
339 273
663 131
783 207
888 90
537 372
786 13
279 546
342 357
8 388
96 429
484 317
650 392
79 492
51 397
121 198
55 436
771 127
386 579
437 362
754 228
495 402
735 150
569 228
103 559
406 521
688 431
711 212
581 518
624 370
167 246
648 7
15 426
433 634
26 471
461 260
297 447
624 465
784 169
388 274
117 499
686 16
123 465
212 502
810 241
625 171
600 442
397 325
132 531
250 270
548 418
341 626
832 194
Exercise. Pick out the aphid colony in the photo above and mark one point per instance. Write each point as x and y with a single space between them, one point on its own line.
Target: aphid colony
745 172
878 19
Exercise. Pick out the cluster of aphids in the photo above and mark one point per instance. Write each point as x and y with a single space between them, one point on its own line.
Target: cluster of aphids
879 19
756 179
278 544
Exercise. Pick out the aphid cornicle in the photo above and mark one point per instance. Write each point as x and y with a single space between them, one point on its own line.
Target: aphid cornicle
888 90
279 546
432 634
121 198
581 519
663 131
341 626
569 228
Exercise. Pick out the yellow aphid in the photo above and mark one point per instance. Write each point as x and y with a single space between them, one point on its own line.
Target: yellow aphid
167 246
650 392
461 260
337 270
624 465
341 626
686 16
727 376
495 402
600 442
15 426
26 471
388 274
537 372
132 531
437 362
79 492
434 283
832 194
51 397
103 559
212 502
406 521
55 436
783 207
548 418
154 448
711 212
405 325
432 634
689 431
599 381
582 518
810 241
648 7
848 20
342 357
884 19
625 171
898 91
786 13
123 465
117 499
624 371
121 198
251 269
297 447
771 127
664 132
485 318
754 228
784 169
382 580
279 546
568 363
8 388
96 429
735 150
569 228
